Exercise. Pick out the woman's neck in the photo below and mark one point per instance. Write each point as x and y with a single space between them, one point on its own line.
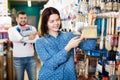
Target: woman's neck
55 34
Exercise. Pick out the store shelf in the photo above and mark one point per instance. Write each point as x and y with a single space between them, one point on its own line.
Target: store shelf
3 40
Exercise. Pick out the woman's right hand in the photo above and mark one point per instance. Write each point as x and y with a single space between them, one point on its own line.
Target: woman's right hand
74 42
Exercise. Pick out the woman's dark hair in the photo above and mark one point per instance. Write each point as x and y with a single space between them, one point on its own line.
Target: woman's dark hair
42 28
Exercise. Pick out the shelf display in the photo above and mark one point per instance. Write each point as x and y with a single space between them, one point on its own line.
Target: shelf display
4 7
6 58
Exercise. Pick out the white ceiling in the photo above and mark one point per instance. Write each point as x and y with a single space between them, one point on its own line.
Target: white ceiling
25 1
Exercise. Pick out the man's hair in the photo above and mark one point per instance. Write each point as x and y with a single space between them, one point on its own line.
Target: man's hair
20 12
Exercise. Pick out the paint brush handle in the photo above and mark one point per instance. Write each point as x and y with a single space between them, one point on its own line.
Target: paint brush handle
112 25
102 34
107 31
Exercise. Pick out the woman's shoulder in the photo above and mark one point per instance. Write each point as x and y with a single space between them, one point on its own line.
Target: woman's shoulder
41 39
67 34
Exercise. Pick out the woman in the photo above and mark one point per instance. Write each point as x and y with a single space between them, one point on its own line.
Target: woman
55 48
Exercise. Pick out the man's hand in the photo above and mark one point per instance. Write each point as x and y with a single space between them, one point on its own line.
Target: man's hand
32 36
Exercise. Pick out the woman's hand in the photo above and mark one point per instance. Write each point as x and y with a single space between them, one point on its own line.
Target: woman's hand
74 42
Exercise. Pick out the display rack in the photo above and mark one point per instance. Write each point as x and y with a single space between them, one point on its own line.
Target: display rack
6 57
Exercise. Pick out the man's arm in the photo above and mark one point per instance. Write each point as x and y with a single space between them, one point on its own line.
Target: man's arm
15 36
32 37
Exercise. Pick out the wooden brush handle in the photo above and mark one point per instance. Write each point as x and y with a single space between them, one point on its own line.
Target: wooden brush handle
116 34
102 34
112 25
107 31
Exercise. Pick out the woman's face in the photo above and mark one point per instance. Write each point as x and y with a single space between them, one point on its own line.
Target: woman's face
53 23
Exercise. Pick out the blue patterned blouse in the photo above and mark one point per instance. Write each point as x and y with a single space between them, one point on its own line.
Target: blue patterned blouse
58 64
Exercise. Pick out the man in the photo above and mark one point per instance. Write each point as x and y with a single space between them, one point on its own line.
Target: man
23 36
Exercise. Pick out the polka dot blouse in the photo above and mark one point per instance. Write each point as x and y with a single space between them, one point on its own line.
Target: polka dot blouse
58 64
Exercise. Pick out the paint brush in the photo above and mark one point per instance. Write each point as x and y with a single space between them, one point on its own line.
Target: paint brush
102 34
